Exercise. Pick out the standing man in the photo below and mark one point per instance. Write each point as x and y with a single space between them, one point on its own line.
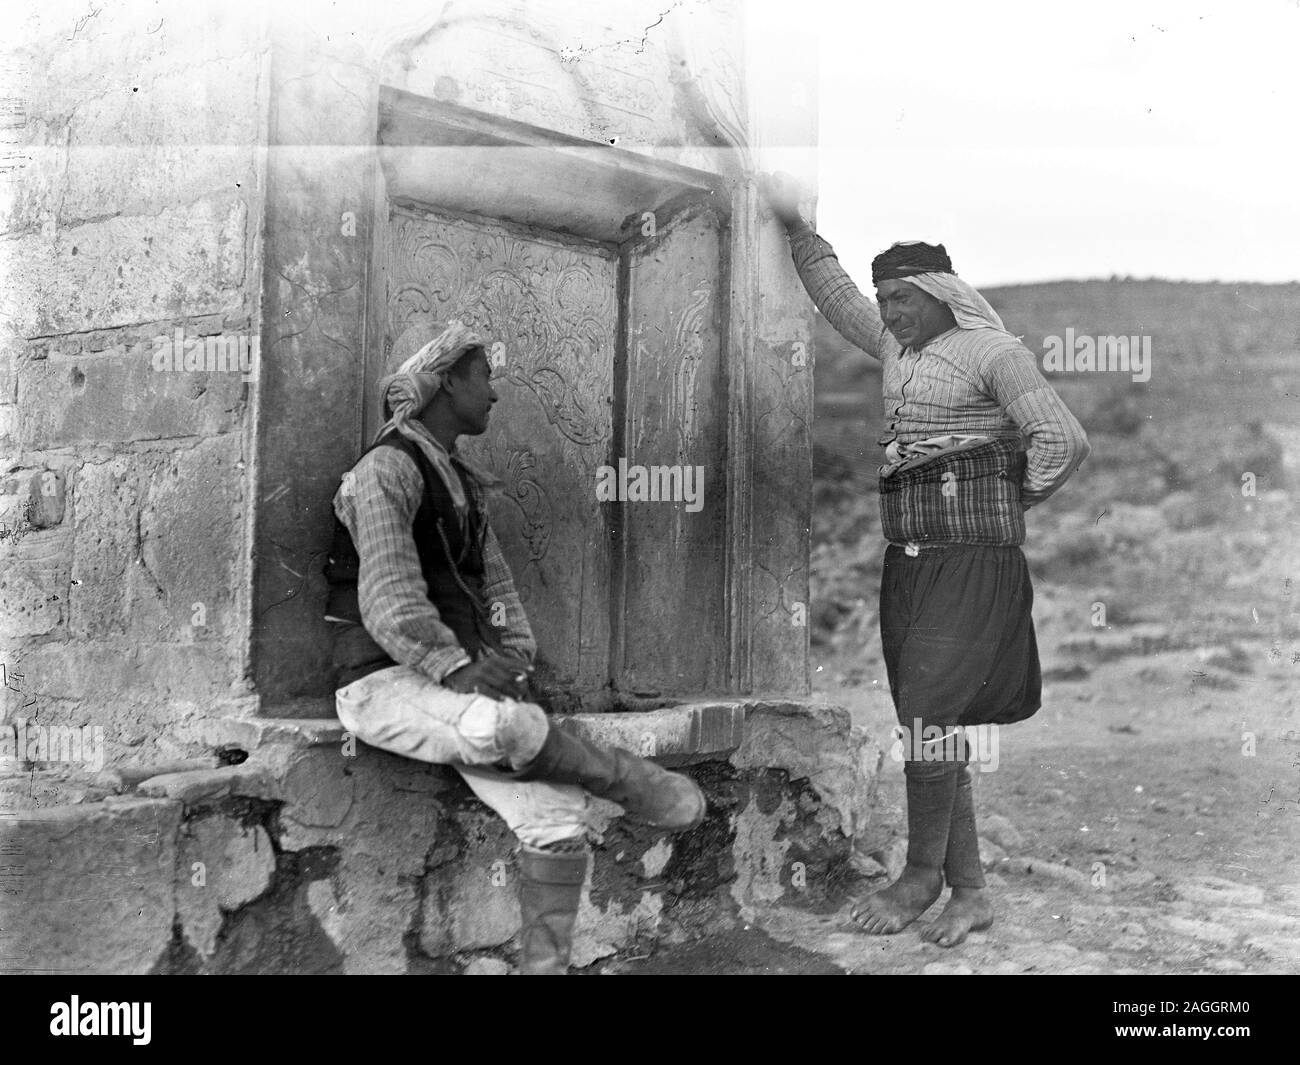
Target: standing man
963 400
434 650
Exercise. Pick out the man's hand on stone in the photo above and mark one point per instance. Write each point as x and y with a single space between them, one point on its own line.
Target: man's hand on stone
782 194
500 676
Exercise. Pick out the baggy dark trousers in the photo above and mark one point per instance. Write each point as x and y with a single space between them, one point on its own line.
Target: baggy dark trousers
957 631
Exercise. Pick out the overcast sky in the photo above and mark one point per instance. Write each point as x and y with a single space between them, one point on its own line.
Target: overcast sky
1044 139
1055 140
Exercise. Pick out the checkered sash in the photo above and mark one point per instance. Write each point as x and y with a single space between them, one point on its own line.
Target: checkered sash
966 497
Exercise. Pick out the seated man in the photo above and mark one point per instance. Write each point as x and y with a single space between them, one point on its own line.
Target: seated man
418 580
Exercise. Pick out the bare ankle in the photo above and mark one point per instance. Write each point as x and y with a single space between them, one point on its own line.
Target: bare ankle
921 876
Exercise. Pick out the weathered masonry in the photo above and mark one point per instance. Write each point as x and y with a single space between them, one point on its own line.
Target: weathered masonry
226 230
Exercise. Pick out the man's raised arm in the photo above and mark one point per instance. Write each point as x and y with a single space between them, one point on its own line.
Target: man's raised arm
854 316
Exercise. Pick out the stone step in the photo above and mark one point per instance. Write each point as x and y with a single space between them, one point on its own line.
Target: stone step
313 854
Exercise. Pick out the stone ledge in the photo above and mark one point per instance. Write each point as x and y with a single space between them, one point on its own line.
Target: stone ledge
296 761
249 733
676 734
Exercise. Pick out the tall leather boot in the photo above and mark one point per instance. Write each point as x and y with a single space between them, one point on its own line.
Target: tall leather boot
550 885
647 792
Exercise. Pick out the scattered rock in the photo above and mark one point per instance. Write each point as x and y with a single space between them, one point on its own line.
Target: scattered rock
318 788
1197 929
893 857
208 785
1232 658
997 829
947 968
1284 948
656 858
240 861
1131 879
1217 681
1062 874
131 775
1132 937
1146 638
1074 671
324 905
221 866
110 781
867 867
1216 891
990 853
1048 957
1191 510
1263 921
1136 944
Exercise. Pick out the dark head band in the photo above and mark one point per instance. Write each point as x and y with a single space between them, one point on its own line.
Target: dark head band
912 257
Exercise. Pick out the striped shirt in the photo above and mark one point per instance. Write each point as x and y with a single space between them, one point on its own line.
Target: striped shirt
977 381
377 502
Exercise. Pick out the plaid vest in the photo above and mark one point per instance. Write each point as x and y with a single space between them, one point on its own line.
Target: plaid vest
451 562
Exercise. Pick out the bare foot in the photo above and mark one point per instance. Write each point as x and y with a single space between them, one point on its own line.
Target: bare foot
893 908
967 911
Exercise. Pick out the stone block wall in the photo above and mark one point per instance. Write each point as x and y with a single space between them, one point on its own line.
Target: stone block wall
188 316
134 225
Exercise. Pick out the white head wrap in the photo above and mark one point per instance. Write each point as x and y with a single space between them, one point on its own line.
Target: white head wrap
967 306
408 391
971 310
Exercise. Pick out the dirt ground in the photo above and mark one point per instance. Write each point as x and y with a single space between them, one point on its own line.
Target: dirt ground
1140 834
1136 835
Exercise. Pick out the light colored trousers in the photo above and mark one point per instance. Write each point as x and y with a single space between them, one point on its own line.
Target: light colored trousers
404 712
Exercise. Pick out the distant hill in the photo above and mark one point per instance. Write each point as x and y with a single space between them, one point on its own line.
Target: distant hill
1223 356
1206 326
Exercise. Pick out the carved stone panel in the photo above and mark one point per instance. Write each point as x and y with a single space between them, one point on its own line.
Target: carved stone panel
674 635
547 308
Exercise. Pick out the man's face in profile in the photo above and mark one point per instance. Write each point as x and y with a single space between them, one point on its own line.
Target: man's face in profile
912 316
471 392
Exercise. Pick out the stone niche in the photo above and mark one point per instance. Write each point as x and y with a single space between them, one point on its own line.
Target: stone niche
597 222
599 279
